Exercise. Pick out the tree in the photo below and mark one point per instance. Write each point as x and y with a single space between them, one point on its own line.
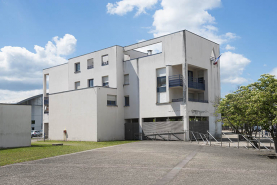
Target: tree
266 104
252 105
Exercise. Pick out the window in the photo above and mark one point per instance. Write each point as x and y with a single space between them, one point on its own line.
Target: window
77 67
105 81
126 79
77 85
105 60
127 101
161 84
111 100
90 83
33 128
33 121
90 63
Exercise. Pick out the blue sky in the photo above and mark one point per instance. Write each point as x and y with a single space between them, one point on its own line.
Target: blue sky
80 27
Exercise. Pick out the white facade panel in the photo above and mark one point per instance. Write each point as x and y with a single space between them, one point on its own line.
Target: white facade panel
15 125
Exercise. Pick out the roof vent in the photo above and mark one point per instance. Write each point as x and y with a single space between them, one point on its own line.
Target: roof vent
149 52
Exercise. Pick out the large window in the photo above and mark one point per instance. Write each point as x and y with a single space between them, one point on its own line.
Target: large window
105 81
105 60
90 63
77 67
33 121
127 103
90 83
77 85
161 84
126 79
111 100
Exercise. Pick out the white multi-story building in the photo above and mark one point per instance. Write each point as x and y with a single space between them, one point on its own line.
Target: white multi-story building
121 92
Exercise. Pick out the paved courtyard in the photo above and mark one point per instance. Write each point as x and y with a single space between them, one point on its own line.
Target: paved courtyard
148 162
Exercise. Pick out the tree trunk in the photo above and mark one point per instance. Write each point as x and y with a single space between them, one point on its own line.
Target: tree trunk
275 143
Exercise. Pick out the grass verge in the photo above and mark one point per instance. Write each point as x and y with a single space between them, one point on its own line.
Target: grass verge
40 149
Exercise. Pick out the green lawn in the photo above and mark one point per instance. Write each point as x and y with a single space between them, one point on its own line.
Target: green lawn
41 149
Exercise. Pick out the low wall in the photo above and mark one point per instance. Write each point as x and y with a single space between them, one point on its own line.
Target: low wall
15 125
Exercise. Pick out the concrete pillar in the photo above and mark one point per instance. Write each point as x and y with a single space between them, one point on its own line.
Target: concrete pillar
44 84
167 83
140 128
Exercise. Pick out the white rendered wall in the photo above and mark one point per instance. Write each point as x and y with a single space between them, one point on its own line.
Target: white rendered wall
110 119
132 90
95 73
15 125
58 78
198 52
76 112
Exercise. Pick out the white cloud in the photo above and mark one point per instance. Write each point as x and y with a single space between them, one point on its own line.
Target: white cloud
21 67
125 6
274 72
7 96
176 15
228 47
232 66
192 15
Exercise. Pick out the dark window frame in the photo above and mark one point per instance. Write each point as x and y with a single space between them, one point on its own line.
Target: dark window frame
77 69
126 101
89 80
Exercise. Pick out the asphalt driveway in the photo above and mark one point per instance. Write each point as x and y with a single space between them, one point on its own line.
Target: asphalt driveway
148 162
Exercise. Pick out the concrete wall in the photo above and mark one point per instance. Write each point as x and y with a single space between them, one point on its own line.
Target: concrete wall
85 115
75 112
15 125
110 119
198 51
132 90
95 73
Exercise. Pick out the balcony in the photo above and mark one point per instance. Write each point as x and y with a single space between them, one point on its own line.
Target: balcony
200 101
175 81
105 63
90 67
196 83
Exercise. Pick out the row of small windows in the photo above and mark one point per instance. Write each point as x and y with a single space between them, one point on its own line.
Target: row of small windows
90 63
105 82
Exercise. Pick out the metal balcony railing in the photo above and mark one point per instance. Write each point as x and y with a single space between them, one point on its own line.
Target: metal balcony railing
90 67
196 83
196 100
175 81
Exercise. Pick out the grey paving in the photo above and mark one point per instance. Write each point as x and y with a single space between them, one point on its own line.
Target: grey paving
148 162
